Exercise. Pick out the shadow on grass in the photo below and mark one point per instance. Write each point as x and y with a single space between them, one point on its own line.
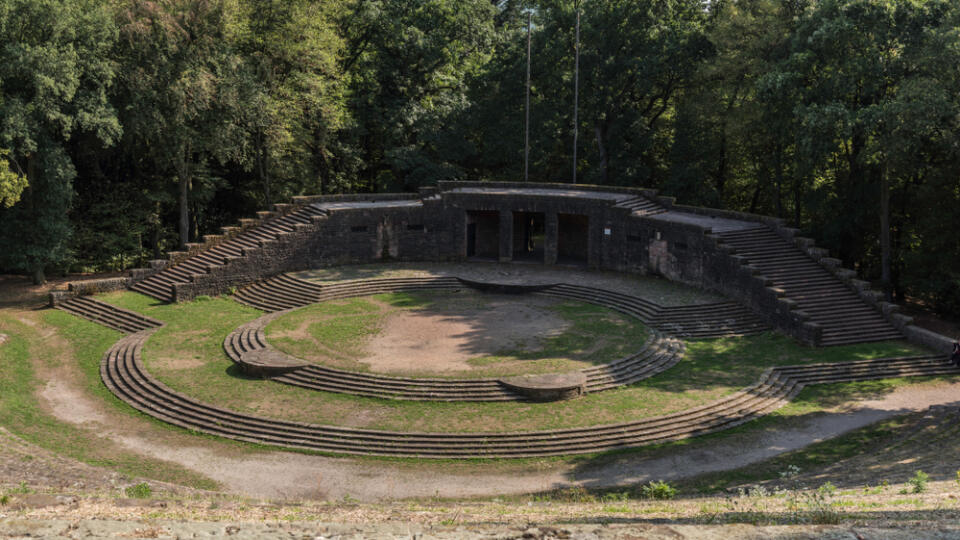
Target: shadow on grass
815 442
494 325
237 372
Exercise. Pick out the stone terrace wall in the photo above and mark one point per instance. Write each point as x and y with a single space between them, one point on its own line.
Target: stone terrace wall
435 230
345 236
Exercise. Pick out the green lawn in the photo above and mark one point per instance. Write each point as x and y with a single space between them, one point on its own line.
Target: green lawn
22 413
187 355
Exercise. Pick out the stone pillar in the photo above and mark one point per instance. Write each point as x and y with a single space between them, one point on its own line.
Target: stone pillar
506 236
596 242
551 237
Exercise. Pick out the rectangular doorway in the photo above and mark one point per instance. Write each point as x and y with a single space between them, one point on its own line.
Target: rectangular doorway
529 235
483 235
572 239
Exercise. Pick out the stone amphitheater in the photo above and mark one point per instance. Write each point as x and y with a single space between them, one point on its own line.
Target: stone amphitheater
762 275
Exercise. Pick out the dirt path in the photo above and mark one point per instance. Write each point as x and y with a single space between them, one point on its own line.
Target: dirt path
286 475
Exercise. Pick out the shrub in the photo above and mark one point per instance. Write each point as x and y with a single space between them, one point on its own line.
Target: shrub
790 472
575 494
23 488
139 491
658 490
919 481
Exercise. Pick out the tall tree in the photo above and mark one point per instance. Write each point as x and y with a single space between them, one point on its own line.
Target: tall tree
55 76
407 65
293 101
851 58
178 67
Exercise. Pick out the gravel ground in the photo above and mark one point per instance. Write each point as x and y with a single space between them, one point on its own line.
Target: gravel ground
164 529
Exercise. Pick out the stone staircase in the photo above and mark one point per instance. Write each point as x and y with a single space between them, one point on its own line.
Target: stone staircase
658 354
267 228
122 371
844 317
108 315
641 206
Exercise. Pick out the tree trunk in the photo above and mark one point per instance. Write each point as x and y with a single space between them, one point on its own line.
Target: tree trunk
721 179
755 199
155 232
885 257
39 278
601 130
262 157
797 202
184 211
779 181
183 175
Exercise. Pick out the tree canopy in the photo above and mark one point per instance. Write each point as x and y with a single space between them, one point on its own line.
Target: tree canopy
131 127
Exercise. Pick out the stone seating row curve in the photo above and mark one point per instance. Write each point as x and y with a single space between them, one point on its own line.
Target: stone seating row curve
123 373
659 353
719 319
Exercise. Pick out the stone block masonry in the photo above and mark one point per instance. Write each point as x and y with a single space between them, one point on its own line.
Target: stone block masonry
598 227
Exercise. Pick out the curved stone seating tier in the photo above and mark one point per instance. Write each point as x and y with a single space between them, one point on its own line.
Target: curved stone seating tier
719 319
658 353
708 321
122 371
122 320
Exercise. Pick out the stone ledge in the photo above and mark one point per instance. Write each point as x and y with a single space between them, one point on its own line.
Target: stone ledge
548 387
268 362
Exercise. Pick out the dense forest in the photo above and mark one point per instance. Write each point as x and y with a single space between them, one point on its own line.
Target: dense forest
128 127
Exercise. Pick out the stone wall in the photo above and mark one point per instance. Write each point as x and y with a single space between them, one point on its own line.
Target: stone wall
436 230
600 215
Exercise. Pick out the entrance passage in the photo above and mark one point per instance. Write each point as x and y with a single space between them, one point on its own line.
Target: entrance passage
572 239
529 234
483 235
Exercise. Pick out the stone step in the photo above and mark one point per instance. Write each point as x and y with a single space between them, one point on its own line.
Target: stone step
284 290
122 372
108 315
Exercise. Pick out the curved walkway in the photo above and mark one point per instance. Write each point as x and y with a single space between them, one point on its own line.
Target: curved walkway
658 354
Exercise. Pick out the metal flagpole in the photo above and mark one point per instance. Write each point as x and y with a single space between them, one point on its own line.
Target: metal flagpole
576 94
526 140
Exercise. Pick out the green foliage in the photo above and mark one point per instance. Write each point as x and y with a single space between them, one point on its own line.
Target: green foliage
21 489
53 92
827 489
142 124
12 183
292 93
408 64
658 490
22 413
918 482
139 491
